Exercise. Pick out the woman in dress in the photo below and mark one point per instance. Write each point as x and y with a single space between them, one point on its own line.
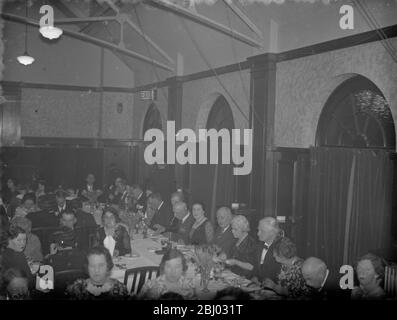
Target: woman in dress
13 256
291 283
32 249
172 278
113 235
242 257
370 271
99 285
202 231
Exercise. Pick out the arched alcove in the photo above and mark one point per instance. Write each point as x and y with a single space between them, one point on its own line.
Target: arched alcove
152 119
356 115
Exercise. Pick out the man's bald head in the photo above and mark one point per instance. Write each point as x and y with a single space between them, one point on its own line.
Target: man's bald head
268 230
180 210
224 217
314 271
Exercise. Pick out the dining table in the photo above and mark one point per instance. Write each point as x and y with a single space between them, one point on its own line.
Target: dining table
148 251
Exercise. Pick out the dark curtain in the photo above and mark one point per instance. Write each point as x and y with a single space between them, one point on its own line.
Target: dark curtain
349 203
370 223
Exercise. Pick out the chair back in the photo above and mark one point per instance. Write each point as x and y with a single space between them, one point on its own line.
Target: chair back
64 278
391 280
135 278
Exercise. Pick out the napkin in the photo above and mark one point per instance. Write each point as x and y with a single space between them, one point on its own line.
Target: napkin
109 244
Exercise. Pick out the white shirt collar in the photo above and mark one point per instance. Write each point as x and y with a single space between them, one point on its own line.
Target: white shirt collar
225 229
160 205
185 217
325 279
140 196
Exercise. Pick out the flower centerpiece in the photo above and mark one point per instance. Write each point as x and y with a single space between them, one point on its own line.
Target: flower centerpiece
204 259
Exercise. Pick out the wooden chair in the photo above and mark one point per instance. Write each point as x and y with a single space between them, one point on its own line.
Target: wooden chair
64 278
391 280
135 278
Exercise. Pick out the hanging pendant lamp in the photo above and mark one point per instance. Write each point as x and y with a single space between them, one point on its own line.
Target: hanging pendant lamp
26 59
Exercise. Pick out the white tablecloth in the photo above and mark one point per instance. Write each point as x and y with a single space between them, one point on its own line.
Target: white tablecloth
142 255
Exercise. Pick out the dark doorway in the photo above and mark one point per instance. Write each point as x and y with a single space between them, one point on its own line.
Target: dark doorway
350 192
215 183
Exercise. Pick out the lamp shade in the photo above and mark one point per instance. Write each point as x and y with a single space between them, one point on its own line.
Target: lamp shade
25 59
50 32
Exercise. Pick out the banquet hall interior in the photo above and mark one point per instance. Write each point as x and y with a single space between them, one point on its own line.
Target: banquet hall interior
107 158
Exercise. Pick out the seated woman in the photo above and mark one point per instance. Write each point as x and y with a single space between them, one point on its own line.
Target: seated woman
28 205
13 256
14 285
172 278
33 245
370 271
113 235
99 285
290 279
242 257
202 231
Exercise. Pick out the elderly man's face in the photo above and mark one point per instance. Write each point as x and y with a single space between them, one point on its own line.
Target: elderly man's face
266 233
312 279
224 218
179 211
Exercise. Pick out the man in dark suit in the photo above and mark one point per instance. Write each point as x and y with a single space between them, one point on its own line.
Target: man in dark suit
163 214
266 267
139 198
224 238
323 283
90 190
50 217
181 224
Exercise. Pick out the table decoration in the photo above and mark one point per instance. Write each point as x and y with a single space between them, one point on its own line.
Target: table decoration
204 259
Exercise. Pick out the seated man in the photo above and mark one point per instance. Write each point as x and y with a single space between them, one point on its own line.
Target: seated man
90 191
163 215
266 267
324 284
139 198
181 224
66 236
177 197
50 217
224 238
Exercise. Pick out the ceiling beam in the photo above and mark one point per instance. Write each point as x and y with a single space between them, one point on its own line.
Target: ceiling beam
93 40
243 17
200 19
124 18
83 20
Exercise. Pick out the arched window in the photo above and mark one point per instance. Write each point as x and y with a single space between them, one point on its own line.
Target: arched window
356 115
152 119
220 116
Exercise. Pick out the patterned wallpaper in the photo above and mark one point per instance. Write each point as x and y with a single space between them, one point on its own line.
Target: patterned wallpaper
303 86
